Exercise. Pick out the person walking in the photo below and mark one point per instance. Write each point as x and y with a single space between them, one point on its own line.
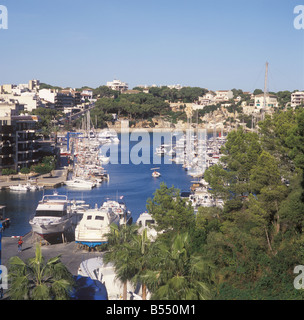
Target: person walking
20 241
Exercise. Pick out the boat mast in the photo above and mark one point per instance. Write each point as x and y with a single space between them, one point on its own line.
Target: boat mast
265 91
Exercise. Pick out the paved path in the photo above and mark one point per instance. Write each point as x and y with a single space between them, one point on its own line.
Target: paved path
71 255
58 177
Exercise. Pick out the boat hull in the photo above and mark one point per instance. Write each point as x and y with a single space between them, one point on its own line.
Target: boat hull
51 230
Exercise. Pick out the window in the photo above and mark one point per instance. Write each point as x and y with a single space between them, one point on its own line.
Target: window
50 213
89 218
99 218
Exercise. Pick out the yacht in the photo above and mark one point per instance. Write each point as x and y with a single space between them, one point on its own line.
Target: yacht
94 227
119 207
80 183
145 221
19 187
34 187
103 159
163 149
53 216
108 136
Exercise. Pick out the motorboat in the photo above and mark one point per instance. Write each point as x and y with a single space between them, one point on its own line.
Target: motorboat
163 149
155 174
34 187
97 270
20 187
108 136
103 159
145 221
94 227
119 207
53 216
80 183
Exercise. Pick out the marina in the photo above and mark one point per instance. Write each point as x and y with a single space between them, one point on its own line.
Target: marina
133 181
71 220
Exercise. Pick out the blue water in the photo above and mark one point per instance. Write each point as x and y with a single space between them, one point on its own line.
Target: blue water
132 181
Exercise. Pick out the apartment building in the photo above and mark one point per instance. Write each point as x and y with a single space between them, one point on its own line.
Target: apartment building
117 85
26 141
48 95
60 99
297 99
31 86
19 145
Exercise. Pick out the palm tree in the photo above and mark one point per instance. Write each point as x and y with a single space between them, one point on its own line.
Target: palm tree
39 280
120 254
139 248
177 275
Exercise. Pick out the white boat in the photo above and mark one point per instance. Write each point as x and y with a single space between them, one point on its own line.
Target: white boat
108 136
155 174
119 207
34 187
19 187
80 183
53 216
163 149
97 269
103 159
202 198
93 228
145 221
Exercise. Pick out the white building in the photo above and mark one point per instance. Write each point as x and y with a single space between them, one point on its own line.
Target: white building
31 86
117 85
223 95
48 95
29 99
297 99
207 99
175 86
86 95
271 101
9 108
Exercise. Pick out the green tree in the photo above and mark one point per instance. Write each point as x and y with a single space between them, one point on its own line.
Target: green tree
178 275
170 211
39 280
120 255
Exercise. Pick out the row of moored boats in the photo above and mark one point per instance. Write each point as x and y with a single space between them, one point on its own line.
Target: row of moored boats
56 216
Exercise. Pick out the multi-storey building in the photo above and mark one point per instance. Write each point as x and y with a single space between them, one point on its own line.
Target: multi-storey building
26 141
117 85
271 101
19 145
297 99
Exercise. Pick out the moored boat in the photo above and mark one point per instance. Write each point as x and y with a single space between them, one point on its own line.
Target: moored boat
80 183
94 227
19 187
53 216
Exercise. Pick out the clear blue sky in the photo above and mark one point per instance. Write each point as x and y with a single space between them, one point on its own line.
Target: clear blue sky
218 44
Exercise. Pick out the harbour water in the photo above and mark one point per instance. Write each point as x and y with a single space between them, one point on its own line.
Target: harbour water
132 181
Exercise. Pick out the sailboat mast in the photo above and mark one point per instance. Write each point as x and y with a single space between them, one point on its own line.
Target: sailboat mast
265 90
